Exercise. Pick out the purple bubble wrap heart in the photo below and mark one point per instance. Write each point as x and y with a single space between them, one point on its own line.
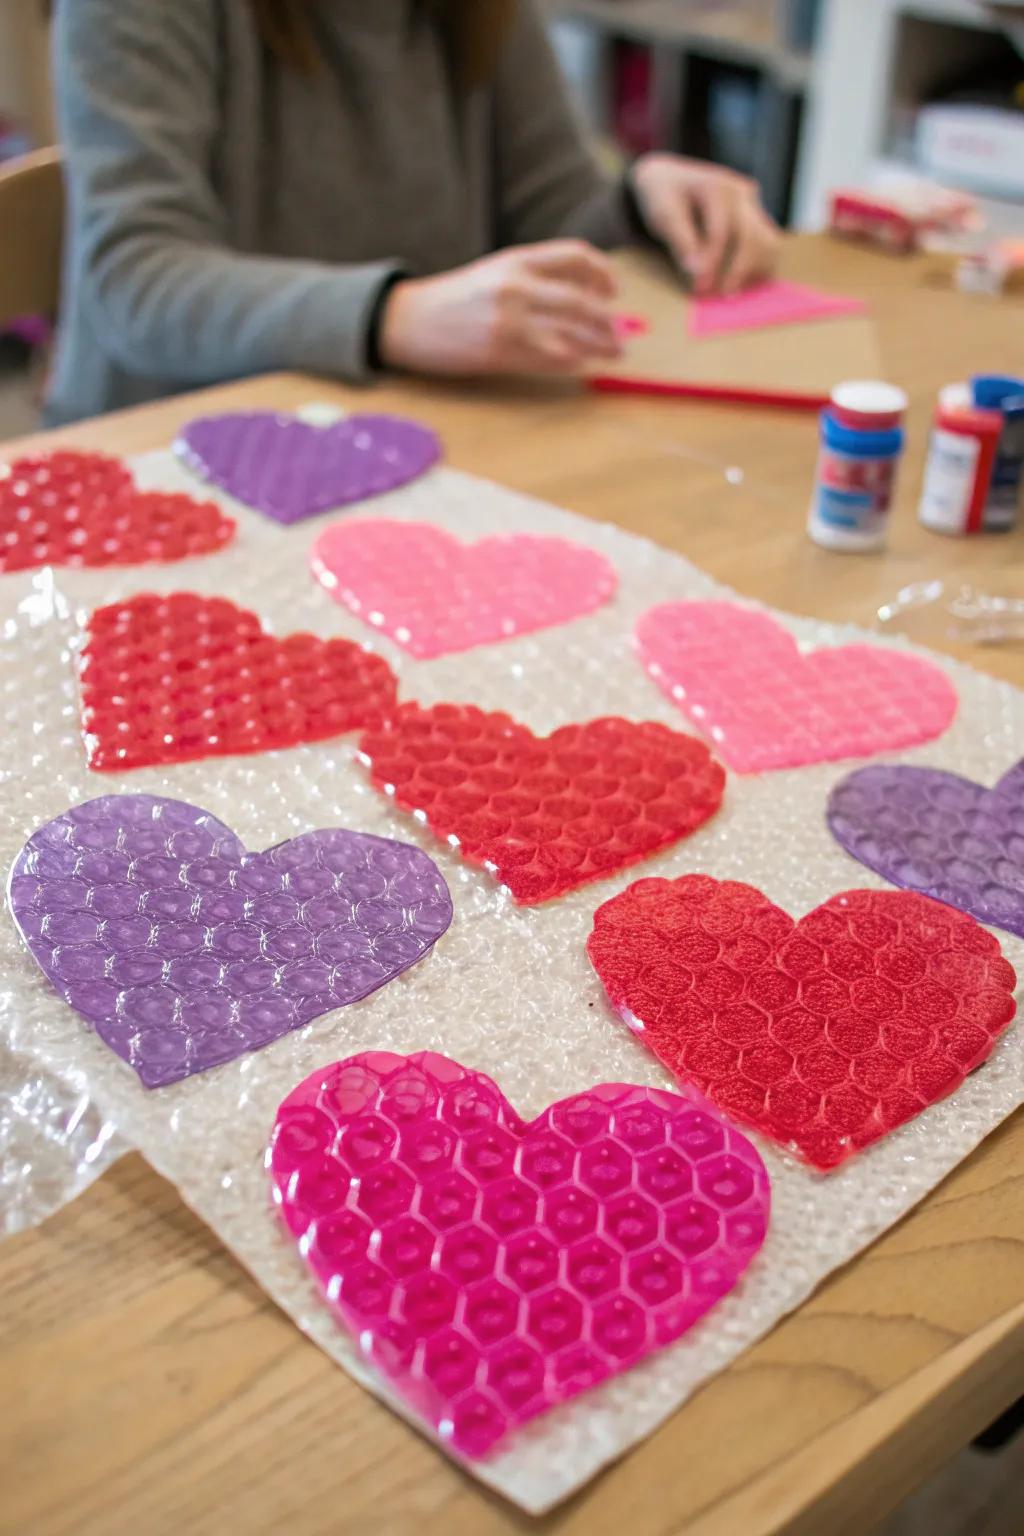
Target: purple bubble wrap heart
290 470
182 950
935 832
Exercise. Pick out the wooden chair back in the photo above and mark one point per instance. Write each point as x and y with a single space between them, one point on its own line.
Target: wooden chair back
31 229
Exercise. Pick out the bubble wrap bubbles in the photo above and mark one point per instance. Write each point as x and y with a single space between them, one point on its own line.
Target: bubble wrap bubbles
182 950
166 679
509 990
742 680
825 1033
289 469
68 508
544 815
939 833
433 594
494 1268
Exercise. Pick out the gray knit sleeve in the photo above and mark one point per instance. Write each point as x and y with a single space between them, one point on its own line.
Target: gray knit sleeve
136 85
548 183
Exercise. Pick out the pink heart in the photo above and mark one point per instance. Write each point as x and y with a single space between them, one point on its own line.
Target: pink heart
493 1268
741 679
433 594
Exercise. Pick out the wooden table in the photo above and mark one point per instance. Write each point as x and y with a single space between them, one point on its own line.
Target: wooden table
150 1386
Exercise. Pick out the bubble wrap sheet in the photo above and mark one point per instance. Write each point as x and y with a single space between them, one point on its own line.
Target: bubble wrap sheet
507 991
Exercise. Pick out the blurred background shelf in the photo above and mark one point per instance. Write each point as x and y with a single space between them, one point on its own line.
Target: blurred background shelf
720 78
734 31
804 95
879 69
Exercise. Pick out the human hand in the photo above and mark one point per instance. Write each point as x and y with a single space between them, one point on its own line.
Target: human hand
542 308
711 219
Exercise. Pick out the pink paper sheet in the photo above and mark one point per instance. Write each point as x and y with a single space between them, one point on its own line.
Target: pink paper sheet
766 304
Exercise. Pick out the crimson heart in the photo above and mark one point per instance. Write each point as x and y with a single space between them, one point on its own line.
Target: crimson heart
85 509
170 679
493 1268
545 814
825 1033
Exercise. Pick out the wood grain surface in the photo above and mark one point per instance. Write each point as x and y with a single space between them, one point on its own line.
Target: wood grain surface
146 1384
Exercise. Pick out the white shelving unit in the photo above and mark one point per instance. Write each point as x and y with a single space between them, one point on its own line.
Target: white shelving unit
690 41
875 62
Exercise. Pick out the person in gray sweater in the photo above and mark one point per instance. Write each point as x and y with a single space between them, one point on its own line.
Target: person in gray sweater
343 186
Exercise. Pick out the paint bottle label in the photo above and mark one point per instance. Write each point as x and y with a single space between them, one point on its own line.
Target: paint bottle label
949 481
854 485
851 502
1007 485
852 511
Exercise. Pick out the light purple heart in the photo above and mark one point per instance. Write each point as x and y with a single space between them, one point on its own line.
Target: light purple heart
290 470
938 833
182 950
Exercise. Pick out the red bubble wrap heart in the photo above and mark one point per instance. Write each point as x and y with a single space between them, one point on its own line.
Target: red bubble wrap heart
545 814
171 679
493 1268
824 1033
85 509
741 679
433 594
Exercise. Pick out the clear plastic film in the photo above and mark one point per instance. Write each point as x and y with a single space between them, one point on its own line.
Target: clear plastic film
938 611
507 991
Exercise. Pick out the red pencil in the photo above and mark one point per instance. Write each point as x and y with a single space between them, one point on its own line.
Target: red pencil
722 394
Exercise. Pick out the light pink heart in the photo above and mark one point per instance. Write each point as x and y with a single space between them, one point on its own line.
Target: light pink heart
433 594
741 679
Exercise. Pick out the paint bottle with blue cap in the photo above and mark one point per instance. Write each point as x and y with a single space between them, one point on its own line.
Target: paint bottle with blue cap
861 444
1005 394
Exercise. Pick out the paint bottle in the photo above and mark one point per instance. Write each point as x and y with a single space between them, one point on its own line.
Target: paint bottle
961 453
861 443
999 392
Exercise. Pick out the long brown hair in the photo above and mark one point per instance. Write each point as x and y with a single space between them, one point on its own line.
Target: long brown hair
473 32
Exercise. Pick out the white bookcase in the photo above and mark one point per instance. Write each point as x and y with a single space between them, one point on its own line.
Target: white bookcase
875 62
843 109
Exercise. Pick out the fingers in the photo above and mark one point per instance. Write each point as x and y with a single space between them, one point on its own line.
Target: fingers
555 353
579 309
677 226
710 218
559 351
572 261
755 242
567 322
716 200
568 346
560 344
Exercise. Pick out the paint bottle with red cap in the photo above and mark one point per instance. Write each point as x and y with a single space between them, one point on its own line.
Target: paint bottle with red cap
1003 393
961 455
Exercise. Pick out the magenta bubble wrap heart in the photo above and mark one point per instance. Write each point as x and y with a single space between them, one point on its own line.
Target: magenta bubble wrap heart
289 470
492 1267
936 832
183 950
